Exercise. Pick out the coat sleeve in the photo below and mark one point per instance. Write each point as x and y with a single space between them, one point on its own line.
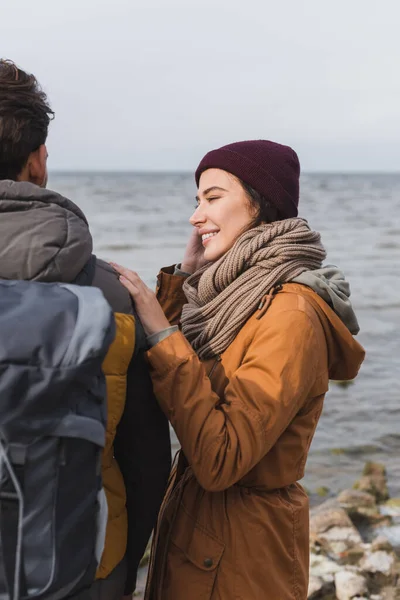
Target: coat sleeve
170 294
224 438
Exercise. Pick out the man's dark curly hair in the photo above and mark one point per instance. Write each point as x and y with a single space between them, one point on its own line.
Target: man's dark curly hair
25 115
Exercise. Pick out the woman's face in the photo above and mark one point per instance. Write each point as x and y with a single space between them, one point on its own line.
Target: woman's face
223 212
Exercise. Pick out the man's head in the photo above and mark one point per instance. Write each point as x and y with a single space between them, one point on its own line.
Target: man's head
24 121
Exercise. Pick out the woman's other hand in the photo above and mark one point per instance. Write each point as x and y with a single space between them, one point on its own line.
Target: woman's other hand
194 253
149 310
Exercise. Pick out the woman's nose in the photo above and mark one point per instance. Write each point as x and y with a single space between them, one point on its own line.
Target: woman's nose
197 217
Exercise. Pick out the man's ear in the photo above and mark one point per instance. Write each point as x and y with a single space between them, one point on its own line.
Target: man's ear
36 166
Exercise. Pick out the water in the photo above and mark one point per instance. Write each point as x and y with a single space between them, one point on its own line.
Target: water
141 221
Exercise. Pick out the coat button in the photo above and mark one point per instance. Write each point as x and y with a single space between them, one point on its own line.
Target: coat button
208 562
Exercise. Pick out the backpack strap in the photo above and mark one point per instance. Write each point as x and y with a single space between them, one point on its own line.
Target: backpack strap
12 576
141 344
86 275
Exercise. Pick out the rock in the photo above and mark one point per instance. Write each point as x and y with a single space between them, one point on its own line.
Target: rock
331 503
381 569
319 589
381 543
333 530
390 593
350 585
343 383
341 539
374 468
352 556
315 585
323 567
374 481
393 535
391 529
376 486
322 491
352 498
377 521
328 515
357 502
362 509
392 507
378 562
341 563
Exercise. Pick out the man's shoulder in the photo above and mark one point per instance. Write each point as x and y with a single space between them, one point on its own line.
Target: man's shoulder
114 292
118 298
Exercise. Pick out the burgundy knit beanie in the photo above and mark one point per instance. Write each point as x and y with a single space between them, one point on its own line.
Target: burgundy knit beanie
271 169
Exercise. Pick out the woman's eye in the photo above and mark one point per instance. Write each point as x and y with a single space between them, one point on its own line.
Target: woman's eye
208 200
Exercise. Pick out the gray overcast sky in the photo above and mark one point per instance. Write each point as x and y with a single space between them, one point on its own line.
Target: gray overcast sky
155 84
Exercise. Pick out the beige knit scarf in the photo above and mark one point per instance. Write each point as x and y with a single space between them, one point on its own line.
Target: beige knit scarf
223 295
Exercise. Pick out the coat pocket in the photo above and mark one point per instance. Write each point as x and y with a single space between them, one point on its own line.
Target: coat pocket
193 559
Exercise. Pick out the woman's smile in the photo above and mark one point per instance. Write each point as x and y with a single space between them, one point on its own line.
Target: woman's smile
206 237
223 212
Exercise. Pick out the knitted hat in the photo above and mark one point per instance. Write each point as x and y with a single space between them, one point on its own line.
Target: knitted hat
271 169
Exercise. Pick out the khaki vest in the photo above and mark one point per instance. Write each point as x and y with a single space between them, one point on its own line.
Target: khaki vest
115 368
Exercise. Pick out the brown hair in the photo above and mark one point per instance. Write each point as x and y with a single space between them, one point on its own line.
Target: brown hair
25 115
265 210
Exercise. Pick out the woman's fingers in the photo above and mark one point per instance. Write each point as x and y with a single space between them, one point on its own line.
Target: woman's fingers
127 273
193 257
146 303
131 287
129 279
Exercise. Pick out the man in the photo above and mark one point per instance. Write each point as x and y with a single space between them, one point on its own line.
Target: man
45 237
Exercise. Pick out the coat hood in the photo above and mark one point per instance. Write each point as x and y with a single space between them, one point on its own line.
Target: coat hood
43 236
345 354
329 282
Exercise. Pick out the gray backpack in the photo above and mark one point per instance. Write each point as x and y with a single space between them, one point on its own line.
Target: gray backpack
53 340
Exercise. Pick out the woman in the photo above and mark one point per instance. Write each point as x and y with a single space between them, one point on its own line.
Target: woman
243 384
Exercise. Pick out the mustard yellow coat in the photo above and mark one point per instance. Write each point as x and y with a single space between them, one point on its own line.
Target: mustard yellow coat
115 368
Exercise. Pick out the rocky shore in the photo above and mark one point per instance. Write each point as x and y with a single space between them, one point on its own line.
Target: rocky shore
354 543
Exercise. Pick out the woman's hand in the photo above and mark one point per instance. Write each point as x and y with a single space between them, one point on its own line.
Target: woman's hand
149 310
194 253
